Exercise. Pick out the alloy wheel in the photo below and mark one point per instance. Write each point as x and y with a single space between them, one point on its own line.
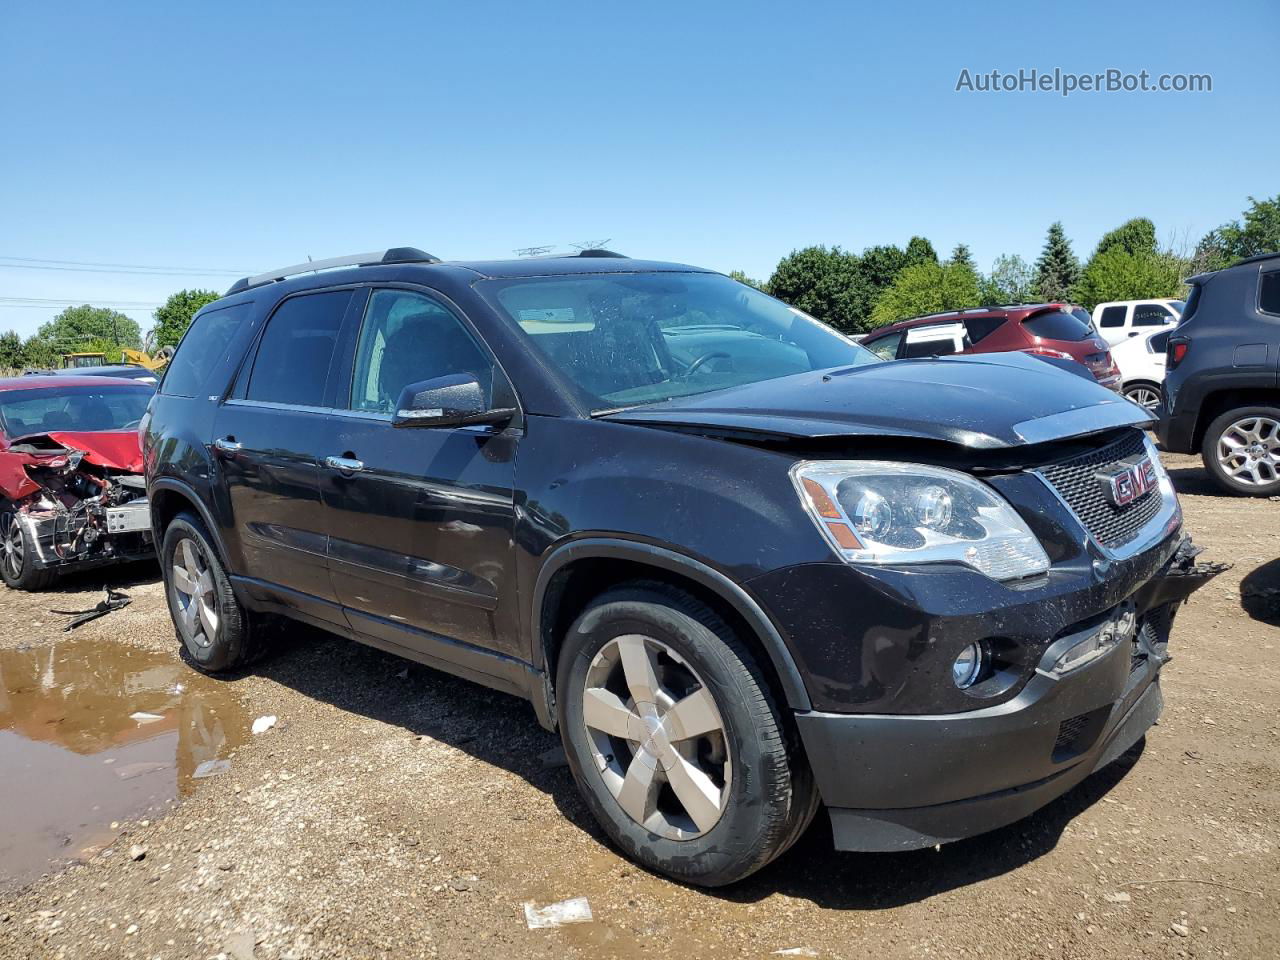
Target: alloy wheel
194 595
1148 397
657 737
14 549
1249 451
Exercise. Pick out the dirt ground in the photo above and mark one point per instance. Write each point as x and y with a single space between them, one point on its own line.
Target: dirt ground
396 812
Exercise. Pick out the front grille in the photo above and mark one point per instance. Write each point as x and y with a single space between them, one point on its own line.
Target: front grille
1076 481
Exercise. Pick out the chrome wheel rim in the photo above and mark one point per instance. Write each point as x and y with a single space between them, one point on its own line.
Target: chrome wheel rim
14 550
194 598
1147 397
1249 451
657 737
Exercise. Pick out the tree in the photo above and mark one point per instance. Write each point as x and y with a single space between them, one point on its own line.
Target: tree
1117 274
173 318
1011 280
920 250
961 257
927 288
77 329
743 278
1057 270
821 281
1260 233
12 354
1136 236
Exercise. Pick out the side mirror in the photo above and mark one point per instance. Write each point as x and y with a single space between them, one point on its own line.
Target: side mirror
453 401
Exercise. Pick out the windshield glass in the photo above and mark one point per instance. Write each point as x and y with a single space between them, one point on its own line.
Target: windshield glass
24 412
626 339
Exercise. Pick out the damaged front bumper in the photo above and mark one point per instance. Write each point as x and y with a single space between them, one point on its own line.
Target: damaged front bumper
899 782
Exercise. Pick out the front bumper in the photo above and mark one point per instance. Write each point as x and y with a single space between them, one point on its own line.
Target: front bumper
899 782
112 535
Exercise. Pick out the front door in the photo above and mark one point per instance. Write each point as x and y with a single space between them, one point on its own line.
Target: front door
267 439
421 519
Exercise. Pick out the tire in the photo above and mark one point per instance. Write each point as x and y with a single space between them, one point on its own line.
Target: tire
17 565
221 636
751 790
1145 395
1241 451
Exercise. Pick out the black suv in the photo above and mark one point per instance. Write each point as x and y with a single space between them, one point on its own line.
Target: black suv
1222 382
741 564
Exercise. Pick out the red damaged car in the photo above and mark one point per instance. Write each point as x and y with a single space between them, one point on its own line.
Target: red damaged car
72 494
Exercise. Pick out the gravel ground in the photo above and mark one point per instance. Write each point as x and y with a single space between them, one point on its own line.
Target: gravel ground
396 812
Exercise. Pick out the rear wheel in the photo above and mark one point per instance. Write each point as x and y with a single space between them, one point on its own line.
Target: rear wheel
17 554
215 630
675 740
1241 451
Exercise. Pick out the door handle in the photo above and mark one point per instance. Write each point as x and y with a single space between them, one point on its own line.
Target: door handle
344 464
227 445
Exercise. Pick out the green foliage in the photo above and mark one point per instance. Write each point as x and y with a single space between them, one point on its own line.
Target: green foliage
961 257
173 318
1118 274
821 281
920 250
1057 270
12 354
83 329
1136 236
927 288
1011 280
741 278
1260 233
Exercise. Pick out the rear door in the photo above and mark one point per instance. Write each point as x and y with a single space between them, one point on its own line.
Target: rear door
934 340
268 438
421 519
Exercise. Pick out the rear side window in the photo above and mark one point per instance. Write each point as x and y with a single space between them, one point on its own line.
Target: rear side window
292 365
1193 301
1112 317
886 346
1158 343
1058 325
980 327
203 362
1150 315
1269 293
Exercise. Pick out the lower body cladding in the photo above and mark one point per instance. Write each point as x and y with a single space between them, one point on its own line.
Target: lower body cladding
901 782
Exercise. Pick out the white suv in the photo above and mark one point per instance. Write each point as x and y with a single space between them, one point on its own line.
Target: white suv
1141 362
1118 320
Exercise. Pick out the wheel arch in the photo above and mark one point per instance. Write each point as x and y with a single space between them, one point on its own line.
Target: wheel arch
1218 402
168 498
577 572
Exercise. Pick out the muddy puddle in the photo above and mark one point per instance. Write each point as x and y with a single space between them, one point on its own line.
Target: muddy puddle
93 732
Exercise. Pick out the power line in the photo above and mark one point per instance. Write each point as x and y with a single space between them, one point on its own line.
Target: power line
93 301
127 273
128 266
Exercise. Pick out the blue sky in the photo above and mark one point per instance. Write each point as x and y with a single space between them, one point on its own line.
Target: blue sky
251 135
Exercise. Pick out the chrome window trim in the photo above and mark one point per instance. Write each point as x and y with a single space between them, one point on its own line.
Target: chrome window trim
1155 530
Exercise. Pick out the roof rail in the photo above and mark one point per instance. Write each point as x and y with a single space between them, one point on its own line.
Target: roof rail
392 255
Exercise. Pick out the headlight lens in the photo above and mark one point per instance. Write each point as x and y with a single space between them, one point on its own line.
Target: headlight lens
874 511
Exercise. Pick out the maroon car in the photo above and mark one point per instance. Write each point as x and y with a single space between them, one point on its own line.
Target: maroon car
1054 330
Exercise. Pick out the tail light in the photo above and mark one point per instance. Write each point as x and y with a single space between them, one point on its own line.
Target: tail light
1176 351
1047 352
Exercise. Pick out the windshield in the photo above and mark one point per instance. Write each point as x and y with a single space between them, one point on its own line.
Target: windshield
90 409
626 339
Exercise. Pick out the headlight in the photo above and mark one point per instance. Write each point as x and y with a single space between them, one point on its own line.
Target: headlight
873 511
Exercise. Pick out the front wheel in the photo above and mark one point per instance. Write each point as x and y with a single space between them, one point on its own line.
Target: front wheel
1241 451
675 740
1144 395
18 555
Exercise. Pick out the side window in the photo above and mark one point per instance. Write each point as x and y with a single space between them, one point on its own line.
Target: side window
405 338
936 341
1158 343
203 352
1112 317
980 327
1269 293
886 347
1150 315
292 365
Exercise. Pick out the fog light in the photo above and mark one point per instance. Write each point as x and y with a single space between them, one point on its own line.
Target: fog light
968 666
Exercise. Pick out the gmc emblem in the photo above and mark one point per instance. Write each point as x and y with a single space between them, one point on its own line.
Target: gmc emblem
1128 481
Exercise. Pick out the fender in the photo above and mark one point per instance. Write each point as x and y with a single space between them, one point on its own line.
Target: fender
726 589
178 486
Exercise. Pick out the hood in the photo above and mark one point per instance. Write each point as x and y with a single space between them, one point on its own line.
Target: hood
986 401
112 449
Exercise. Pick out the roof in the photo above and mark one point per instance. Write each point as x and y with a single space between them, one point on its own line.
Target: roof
1020 311
566 266
47 382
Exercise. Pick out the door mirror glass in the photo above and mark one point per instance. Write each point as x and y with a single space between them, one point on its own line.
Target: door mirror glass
456 400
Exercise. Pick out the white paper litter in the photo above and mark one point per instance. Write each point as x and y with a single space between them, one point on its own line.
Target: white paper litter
142 717
263 724
211 768
796 952
577 910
